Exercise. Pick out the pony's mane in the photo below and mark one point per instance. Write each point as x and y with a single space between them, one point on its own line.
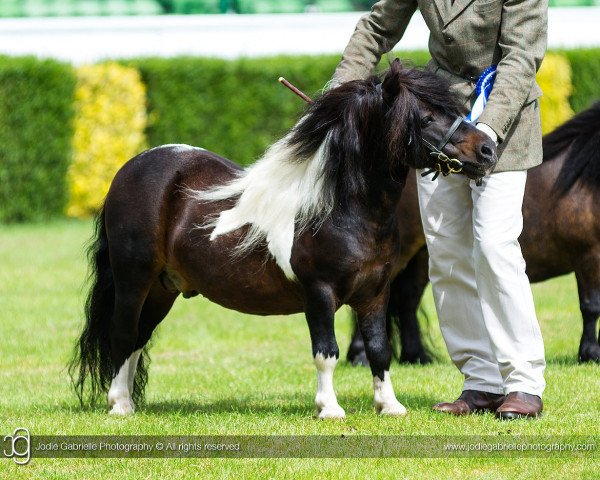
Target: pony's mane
580 136
347 134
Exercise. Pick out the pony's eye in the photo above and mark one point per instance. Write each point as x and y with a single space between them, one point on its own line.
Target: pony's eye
426 121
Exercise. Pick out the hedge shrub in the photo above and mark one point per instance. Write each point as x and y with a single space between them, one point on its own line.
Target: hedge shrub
554 78
235 108
585 65
36 110
110 119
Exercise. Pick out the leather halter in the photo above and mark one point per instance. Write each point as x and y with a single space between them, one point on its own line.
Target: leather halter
443 163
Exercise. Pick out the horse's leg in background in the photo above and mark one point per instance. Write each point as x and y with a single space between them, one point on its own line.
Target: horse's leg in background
588 284
128 386
371 321
320 312
405 297
356 351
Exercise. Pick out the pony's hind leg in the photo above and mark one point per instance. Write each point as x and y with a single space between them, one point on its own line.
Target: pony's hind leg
124 355
127 386
120 398
132 285
320 311
371 321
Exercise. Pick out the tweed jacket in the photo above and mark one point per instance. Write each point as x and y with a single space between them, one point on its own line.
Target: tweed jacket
466 37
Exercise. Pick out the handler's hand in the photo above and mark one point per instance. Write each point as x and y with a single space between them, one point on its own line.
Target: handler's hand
488 131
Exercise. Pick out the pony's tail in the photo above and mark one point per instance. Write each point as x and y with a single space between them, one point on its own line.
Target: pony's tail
91 359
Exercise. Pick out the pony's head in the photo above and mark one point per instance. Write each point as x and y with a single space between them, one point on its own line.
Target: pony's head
381 123
422 113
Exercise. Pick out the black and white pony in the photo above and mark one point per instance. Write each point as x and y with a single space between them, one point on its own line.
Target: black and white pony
309 227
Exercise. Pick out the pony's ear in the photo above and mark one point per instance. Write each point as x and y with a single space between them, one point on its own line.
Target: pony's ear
391 84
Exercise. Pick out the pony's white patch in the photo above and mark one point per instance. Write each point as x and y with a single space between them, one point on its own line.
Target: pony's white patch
385 398
325 400
121 387
177 147
275 195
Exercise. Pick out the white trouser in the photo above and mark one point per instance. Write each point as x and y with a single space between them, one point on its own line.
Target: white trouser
481 292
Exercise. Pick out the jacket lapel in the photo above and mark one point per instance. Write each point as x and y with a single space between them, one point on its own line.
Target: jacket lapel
456 9
443 7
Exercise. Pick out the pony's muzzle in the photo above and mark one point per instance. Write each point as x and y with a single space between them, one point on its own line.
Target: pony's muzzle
486 159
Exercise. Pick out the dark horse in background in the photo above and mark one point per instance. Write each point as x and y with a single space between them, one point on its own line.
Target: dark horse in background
561 234
309 227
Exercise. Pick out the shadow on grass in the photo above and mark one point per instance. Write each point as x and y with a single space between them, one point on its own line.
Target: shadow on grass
298 405
242 405
286 405
567 360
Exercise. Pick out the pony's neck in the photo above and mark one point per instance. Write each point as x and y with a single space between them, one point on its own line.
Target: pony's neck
383 194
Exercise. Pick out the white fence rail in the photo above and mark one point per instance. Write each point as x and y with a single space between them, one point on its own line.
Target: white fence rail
89 39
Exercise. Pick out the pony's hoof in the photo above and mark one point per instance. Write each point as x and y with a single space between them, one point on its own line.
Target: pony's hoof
336 412
122 408
392 409
360 359
589 353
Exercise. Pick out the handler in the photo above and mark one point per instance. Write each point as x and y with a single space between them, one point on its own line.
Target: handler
481 292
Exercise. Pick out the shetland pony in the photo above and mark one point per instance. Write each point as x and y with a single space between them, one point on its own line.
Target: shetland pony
309 227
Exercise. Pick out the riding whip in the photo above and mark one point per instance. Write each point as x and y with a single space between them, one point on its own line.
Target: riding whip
297 91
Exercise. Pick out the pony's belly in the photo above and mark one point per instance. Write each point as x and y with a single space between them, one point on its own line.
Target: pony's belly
249 300
250 284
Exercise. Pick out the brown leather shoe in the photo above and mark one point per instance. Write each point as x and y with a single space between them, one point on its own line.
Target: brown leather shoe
520 405
471 401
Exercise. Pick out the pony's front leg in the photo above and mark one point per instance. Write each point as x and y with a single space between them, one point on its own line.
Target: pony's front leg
320 312
371 321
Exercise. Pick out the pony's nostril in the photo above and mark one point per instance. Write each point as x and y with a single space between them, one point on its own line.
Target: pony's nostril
487 150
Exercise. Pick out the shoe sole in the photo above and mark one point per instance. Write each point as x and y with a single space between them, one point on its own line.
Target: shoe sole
516 416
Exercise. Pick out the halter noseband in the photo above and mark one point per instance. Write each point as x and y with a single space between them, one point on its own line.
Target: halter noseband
443 163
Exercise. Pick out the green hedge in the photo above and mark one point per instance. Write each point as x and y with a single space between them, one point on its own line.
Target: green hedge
585 68
235 108
36 109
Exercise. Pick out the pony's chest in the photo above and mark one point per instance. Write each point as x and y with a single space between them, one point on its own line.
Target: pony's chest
352 254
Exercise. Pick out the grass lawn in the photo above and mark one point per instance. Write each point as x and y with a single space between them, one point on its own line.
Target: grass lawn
216 371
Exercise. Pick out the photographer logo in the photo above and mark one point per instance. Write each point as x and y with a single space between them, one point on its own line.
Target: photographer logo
18 446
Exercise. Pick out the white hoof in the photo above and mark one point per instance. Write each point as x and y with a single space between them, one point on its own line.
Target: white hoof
122 408
334 411
396 409
120 403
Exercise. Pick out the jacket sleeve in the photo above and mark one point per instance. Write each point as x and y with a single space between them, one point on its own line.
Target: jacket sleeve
522 40
376 33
